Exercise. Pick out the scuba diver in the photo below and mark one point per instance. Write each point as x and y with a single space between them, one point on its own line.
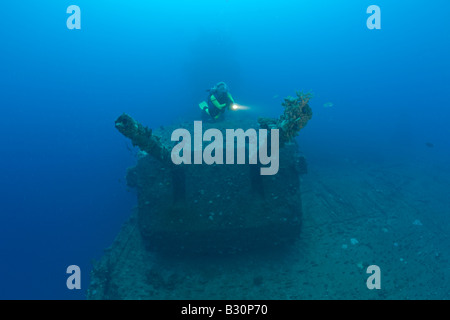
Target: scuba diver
219 99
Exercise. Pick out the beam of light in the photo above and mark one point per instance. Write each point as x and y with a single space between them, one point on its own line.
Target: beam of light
239 107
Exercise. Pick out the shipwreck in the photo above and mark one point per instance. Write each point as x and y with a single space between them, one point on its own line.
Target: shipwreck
213 208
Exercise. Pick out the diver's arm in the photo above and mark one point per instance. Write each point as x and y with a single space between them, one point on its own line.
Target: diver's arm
230 101
230 98
217 104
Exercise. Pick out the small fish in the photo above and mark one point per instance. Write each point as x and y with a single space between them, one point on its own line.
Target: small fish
328 105
275 96
429 145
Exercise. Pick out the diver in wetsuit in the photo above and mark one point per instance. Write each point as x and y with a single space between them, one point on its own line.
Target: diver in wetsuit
218 100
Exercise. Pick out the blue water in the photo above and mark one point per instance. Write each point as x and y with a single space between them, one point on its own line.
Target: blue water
63 192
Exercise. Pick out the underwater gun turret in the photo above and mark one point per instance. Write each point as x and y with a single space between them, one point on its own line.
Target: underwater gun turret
296 115
142 137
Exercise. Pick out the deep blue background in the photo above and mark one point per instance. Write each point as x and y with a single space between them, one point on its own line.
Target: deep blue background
63 194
